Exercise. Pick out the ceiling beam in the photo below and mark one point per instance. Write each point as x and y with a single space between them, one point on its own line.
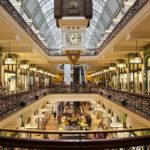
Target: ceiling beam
113 56
127 49
104 62
6 37
18 49
139 36
100 64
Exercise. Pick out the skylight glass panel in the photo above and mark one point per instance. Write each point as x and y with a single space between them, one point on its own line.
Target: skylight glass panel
113 5
106 17
97 6
39 1
46 7
42 13
38 17
31 6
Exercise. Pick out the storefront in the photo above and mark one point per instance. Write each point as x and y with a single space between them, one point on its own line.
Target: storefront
31 80
136 78
37 81
10 78
113 79
47 81
23 80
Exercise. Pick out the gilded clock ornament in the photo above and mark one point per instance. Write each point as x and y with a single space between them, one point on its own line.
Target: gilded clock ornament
73 38
73 4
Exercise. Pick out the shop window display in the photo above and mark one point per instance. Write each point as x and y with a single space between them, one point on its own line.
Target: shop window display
10 81
123 81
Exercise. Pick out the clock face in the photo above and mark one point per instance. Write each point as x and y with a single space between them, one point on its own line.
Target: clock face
73 38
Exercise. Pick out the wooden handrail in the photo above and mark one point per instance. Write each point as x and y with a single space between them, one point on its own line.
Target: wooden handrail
75 144
20 93
73 132
130 93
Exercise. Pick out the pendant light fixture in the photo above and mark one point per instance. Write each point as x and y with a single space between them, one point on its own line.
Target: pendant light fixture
9 60
112 67
136 59
40 70
24 64
121 63
32 67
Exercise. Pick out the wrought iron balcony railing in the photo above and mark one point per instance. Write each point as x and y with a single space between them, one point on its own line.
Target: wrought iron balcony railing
12 139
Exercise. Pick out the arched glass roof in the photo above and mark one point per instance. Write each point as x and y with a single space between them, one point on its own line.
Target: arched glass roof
42 14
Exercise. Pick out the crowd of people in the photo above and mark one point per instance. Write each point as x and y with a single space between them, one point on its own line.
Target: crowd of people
137 102
73 116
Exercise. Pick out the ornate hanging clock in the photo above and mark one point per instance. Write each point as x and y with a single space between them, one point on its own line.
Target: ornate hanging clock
73 37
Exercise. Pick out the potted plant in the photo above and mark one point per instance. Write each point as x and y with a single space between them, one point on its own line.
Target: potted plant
124 119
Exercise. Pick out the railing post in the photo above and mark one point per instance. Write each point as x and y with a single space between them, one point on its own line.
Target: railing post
79 140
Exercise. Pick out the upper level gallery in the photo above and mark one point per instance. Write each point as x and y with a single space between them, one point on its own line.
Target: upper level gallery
81 116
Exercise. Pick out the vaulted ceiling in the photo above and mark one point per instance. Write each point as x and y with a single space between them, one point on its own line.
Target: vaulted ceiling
106 17
42 14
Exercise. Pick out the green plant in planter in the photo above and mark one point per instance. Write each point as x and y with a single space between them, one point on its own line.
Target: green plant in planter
43 106
112 113
118 119
109 111
35 112
22 120
104 106
124 120
99 102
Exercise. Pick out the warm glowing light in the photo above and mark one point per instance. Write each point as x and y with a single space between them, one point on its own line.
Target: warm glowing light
136 60
10 61
112 68
24 66
121 65
33 69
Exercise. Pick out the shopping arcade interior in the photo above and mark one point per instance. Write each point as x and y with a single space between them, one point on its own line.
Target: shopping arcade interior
130 42
105 55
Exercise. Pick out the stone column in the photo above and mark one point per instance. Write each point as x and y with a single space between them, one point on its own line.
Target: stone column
17 75
1 69
67 74
128 75
144 75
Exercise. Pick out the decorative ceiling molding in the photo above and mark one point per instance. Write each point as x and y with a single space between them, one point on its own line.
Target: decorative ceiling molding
13 12
125 20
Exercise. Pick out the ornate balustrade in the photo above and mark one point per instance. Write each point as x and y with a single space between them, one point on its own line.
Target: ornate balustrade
81 142
139 103
13 102
74 89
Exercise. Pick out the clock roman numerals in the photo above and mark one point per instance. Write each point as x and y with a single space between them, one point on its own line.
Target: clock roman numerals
73 38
